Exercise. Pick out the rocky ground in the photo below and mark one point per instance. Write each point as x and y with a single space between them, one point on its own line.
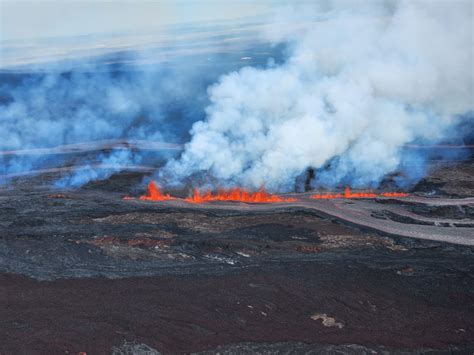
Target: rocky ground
86 271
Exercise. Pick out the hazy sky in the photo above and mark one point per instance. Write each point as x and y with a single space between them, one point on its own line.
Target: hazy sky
38 19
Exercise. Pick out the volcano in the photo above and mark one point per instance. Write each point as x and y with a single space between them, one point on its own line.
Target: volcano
236 177
202 264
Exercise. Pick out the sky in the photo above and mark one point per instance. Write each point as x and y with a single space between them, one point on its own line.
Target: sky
40 31
35 19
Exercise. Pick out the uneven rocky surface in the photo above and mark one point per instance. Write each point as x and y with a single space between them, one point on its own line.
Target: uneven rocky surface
85 270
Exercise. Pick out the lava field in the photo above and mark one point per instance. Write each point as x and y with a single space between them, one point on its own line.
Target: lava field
85 270
236 177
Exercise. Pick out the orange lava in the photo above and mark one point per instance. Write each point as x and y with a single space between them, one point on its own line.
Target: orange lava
155 194
57 196
394 194
237 194
261 196
348 194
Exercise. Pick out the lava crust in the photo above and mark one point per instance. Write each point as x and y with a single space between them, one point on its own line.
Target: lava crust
85 270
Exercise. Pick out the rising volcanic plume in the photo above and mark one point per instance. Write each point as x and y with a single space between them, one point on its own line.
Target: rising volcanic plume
357 87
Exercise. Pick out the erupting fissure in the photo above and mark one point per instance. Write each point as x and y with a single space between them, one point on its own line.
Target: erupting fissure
155 194
237 194
348 194
240 195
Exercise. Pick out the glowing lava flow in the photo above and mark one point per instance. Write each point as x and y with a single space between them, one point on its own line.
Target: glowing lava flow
348 194
394 194
237 194
241 195
155 194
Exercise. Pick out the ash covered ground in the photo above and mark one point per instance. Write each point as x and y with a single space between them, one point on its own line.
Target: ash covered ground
84 270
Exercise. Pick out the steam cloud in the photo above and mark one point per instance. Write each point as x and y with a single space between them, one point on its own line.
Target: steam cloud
358 86
62 105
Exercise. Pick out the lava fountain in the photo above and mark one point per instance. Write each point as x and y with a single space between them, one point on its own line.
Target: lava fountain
239 195
154 194
349 194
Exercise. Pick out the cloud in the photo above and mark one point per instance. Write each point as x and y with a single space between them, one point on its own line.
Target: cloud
358 85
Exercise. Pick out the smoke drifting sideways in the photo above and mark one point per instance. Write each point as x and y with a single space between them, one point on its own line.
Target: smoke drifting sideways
361 83
57 107
152 94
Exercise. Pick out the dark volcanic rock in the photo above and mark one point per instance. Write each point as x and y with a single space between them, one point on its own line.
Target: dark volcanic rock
369 304
87 271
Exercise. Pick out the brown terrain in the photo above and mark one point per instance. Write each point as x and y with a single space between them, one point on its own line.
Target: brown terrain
84 270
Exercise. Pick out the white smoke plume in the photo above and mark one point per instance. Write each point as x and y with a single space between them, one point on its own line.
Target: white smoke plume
358 85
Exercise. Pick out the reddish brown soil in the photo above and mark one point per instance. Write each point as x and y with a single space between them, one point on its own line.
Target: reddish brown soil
269 304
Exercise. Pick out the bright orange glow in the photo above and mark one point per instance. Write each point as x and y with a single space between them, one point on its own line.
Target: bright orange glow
155 194
261 196
237 194
394 194
348 194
